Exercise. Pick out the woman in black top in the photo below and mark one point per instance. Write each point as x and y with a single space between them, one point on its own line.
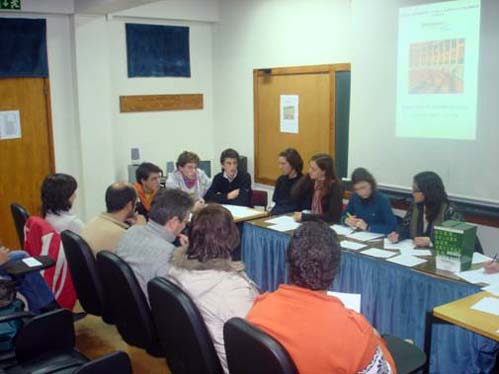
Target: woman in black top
291 165
320 191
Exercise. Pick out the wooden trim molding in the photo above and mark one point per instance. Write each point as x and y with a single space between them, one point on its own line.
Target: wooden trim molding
150 103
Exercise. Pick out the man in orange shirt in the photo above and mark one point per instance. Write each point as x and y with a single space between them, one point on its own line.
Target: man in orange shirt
319 333
148 178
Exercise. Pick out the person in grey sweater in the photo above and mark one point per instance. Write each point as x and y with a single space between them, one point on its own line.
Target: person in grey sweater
189 178
148 248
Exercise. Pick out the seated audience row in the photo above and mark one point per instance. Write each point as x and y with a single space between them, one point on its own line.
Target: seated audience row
204 269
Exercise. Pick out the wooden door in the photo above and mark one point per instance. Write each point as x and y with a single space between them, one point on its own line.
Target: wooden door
315 87
24 162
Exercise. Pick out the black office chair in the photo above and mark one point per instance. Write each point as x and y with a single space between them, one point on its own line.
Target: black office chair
250 350
86 279
408 357
20 216
46 344
127 303
115 362
182 332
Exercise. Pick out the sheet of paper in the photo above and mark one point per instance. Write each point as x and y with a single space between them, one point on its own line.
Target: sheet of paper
493 289
350 300
289 113
488 305
408 261
403 245
363 236
352 245
478 258
380 253
479 276
10 124
342 230
417 252
240 211
287 226
279 220
32 262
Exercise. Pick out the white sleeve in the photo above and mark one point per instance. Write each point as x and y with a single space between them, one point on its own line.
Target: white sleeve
205 183
170 182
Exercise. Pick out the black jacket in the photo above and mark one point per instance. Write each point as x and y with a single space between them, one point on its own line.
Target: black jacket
284 203
221 186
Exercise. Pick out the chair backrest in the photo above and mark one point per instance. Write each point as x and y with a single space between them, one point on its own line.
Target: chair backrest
205 165
83 269
182 332
127 302
44 333
250 350
259 198
115 362
20 216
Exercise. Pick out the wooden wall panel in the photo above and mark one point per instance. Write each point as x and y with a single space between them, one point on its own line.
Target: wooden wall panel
149 103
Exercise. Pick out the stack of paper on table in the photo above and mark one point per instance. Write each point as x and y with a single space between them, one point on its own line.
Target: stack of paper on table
283 223
406 260
380 253
353 246
488 305
363 236
342 230
479 276
240 211
350 300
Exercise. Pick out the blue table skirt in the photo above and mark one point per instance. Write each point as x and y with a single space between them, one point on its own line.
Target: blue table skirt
395 299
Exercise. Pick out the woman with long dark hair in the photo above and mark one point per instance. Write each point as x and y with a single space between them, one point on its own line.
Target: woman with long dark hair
291 165
430 208
319 193
368 209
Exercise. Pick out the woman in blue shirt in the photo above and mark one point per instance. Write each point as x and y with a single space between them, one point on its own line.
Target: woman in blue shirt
368 209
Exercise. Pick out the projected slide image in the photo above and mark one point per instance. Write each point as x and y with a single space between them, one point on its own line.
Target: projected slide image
437 67
437 70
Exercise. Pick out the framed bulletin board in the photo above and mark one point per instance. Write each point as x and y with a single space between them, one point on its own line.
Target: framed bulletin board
298 107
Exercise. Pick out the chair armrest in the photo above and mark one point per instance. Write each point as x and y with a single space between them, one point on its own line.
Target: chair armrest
19 268
17 315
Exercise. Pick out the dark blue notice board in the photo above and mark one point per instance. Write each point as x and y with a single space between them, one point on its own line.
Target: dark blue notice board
23 48
157 51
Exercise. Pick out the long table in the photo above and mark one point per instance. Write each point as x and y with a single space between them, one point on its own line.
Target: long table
395 298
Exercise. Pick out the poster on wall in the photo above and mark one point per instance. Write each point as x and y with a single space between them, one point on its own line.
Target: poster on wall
289 113
10 125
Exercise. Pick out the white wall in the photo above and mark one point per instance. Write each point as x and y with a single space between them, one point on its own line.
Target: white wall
161 136
263 34
93 77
